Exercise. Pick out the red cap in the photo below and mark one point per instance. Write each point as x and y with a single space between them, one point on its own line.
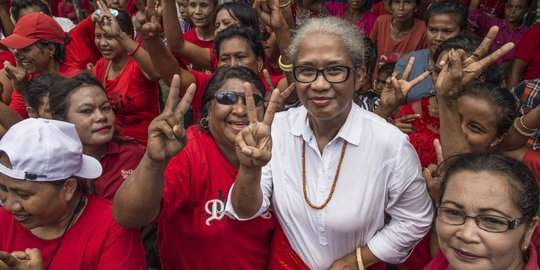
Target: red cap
33 27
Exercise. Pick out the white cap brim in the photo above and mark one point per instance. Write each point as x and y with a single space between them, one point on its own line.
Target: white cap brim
90 169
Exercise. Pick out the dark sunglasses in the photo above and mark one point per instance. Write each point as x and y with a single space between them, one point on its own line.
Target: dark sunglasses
231 98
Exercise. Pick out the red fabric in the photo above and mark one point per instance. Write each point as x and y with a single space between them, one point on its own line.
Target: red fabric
94 241
193 230
81 49
440 262
118 163
389 49
423 138
532 160
191 36
134 98
420 256
68 9
378 9
6 55
528 50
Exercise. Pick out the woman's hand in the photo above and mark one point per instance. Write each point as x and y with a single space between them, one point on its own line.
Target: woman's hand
147 21
30 259
395 89
107 22
166 133
254 142
405 123
269 13
431 174
18 75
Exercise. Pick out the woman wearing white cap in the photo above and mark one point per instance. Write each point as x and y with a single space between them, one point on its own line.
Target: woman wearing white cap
46 207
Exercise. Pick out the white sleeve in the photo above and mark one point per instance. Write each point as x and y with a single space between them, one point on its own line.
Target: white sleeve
266 187
409 206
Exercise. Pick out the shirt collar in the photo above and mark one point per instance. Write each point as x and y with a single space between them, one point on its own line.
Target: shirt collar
348 132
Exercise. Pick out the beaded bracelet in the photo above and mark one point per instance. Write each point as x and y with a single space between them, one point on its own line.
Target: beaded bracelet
359 258
522 132
134 50
283 67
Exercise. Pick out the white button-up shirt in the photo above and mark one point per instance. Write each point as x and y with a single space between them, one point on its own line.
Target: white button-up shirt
380 174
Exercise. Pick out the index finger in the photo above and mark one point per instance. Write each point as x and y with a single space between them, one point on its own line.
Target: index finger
486 61
268 79
272 105
483 48
250 104
172 98
408 69
285 93
438 151
103 7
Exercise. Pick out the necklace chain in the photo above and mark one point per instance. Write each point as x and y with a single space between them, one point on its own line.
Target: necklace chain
304 185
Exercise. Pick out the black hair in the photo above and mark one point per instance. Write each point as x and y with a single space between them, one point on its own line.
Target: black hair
505 101
39 87
416 1
224 73
18 5
244 13
467 43
252 37
387 67
59 49
59 98
524 189
449 7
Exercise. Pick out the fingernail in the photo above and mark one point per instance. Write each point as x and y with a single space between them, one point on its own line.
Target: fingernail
246 151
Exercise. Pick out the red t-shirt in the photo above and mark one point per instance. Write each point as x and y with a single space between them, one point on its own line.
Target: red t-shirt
135 99
390 50
379 9
193 230
191 36
94 241
532 160
528 50
118 163
81 49
6 55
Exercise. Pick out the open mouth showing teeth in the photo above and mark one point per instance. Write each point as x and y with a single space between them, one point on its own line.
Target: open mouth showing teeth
238 123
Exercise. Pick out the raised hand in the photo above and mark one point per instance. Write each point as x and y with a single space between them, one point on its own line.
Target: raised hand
107 22
254 142
166 133
18 75
269 13
405 123
395 89
147 22
431 174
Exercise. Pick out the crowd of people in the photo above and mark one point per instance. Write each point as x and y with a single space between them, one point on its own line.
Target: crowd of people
270 134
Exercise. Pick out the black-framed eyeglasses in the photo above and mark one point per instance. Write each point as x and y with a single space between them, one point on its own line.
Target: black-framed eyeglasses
489 223
231 98
332 74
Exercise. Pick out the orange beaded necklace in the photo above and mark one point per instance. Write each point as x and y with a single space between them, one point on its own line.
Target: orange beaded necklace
333 184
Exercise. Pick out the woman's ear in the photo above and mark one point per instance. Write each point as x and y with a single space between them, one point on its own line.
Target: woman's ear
361 77
529 234
31 112
52 50
70 187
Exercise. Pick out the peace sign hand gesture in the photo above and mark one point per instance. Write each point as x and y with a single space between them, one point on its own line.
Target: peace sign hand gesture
431 174
166 133
269 13
107 22
147 22
254 142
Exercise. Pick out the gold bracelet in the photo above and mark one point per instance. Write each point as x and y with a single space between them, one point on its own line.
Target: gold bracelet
359 258
285 5
523 124
285 68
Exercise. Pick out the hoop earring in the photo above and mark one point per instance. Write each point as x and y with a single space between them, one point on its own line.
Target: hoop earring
204 124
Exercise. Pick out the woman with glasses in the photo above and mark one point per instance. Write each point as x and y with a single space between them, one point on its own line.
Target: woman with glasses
185 192
336 170
486 215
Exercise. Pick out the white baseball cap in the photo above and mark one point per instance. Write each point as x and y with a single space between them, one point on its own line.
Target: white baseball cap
46 150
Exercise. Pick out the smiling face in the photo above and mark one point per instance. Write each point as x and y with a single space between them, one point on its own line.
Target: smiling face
91 113
35 59
108 46
469 247
200 12
225 121
478 122
440 28
33 204
322 99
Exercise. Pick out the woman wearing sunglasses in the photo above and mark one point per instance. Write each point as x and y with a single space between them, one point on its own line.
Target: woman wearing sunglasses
486 215
186 196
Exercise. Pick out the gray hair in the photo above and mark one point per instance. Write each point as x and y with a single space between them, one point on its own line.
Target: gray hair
347 32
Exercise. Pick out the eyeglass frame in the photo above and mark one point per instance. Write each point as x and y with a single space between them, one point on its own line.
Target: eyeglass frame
238 95
321 71
511 224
